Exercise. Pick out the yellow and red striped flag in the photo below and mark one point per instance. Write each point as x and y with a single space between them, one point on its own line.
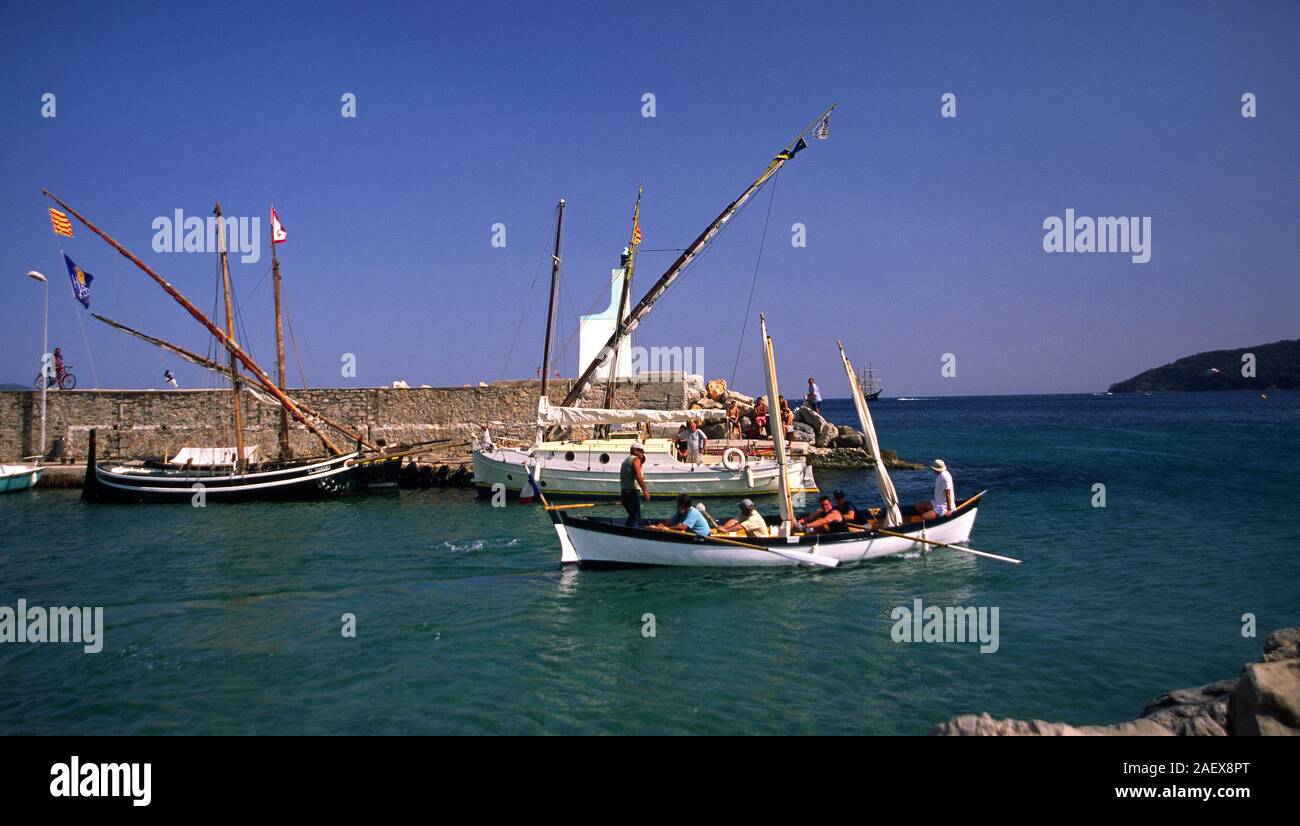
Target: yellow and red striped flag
636 233
60 222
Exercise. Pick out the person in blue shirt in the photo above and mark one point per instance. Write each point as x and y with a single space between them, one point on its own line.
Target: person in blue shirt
686 519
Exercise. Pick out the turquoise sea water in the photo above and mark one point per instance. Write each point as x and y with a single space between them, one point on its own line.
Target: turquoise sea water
227 619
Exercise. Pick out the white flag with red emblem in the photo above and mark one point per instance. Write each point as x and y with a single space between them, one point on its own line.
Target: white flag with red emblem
277 229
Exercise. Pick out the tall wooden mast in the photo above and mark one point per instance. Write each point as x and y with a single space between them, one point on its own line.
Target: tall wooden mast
629 264
279 345
624 327
555 290
230 335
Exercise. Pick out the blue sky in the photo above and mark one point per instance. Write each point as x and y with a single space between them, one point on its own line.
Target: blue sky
924 234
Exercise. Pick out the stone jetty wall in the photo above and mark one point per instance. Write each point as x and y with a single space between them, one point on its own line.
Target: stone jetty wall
134 424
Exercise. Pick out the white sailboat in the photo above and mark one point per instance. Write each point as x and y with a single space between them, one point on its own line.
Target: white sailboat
595 542
590 467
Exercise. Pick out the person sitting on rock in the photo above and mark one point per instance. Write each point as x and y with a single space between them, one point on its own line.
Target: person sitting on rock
787 419
760 418
825 519
750 521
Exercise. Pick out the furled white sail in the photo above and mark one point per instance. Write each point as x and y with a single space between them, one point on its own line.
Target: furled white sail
893 516
585 416
211 455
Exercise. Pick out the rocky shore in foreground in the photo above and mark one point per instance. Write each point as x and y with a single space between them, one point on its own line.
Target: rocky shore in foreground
1264 699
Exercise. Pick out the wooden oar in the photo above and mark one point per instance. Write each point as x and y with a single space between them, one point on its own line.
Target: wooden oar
797 556
566 507
950 546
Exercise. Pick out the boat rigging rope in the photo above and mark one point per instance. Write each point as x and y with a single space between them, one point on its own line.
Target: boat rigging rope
753 283
546 256
292 338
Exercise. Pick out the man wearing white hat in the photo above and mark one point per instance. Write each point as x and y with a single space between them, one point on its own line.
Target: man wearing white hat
944 502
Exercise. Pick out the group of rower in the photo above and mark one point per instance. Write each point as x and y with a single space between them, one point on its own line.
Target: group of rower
833 514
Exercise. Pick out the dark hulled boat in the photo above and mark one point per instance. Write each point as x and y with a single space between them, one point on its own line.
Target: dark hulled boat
302 480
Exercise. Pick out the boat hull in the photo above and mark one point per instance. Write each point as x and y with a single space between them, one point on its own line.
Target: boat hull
18 477
665 476
603 543
322 479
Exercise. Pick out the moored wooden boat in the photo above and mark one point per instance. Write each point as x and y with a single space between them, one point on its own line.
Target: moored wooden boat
18 477
323 478
589 468
233 474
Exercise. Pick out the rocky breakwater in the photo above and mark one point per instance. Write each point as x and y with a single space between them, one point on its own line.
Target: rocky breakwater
1264 699
824 443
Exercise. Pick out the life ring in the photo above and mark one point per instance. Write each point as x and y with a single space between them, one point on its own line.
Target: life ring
733 459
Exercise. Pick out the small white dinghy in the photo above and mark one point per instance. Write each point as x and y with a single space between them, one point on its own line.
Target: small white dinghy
594 542
18 477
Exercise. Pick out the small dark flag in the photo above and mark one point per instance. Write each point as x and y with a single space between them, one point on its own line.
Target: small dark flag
787 154
80 281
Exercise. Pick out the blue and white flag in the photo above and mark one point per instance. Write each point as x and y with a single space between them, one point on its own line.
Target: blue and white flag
80 281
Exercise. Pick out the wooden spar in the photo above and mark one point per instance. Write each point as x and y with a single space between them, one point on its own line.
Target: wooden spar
628 267
212 328
230 333
217 367
776 428
285 452
624 327
555 288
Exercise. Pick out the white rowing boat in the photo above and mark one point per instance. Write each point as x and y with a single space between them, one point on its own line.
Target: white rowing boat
600 543
18 477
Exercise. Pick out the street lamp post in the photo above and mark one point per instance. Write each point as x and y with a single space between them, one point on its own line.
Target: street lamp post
45 348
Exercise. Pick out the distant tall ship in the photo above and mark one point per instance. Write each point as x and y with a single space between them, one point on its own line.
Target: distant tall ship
871 388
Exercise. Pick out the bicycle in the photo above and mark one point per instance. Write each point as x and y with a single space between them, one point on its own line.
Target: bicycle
65 381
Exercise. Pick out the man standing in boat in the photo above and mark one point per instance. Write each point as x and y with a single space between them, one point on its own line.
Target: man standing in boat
629 477
694 443
944 494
